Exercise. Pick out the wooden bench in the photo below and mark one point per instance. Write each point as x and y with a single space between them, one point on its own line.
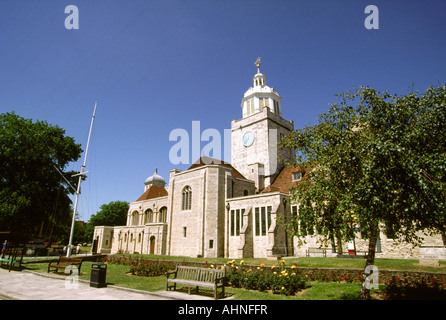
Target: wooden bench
64 262
197 277
10 262
14 255
323 251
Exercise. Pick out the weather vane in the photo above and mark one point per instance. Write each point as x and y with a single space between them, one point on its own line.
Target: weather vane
257 63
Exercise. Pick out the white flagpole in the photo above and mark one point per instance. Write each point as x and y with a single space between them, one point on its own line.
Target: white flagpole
80 174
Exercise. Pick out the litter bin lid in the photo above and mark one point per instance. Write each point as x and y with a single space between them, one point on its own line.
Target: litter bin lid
99 265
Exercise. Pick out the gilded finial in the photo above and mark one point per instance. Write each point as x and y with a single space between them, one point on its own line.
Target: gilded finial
257 63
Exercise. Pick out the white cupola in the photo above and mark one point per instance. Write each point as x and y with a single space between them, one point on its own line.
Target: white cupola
260 96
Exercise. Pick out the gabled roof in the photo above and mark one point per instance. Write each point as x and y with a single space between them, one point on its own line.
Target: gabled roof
208 160
152 193
284 181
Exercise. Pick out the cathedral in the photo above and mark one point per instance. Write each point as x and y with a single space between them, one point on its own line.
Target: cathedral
236 210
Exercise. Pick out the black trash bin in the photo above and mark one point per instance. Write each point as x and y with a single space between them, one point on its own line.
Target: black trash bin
98 275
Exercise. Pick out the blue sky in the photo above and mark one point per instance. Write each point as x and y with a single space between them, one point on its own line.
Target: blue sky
154 66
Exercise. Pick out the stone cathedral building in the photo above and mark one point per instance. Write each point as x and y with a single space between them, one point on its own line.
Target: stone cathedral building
237 210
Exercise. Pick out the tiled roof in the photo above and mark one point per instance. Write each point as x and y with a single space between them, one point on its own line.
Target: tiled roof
284 181
152 193
207 160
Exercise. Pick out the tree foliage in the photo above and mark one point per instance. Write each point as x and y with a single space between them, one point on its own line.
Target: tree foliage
111 214
31 189
378 161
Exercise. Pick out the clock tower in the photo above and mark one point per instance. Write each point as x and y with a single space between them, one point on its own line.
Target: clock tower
255 138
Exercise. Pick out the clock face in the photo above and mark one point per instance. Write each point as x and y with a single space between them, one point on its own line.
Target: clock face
248 138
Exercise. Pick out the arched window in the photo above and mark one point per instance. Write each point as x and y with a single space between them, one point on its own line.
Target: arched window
163 214
149 216
135 218
187 198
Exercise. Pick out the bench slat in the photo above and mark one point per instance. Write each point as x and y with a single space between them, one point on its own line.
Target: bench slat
197 277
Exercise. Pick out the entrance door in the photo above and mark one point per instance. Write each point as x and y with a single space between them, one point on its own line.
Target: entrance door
152 245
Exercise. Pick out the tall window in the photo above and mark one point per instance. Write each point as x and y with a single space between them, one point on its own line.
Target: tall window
149 216
163 214
135 218
262 217
236 221
187 198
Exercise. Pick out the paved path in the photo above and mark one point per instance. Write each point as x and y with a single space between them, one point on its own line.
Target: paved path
27 285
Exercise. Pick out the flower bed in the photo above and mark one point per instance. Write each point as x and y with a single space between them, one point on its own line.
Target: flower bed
279 280
140 267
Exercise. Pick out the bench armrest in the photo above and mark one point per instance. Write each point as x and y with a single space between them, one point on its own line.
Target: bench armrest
168 273
219 279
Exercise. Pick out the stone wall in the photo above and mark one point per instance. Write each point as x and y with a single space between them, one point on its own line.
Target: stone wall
432 247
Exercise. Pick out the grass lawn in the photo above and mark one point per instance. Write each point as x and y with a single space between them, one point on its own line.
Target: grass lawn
316 262
116 275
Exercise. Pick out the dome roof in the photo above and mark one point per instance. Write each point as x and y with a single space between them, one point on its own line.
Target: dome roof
155 178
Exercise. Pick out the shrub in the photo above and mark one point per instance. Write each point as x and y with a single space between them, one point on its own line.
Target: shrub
149 269
424 288
139 267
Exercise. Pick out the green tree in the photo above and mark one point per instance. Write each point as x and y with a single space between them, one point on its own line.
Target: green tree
111 214
32 192
378 163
